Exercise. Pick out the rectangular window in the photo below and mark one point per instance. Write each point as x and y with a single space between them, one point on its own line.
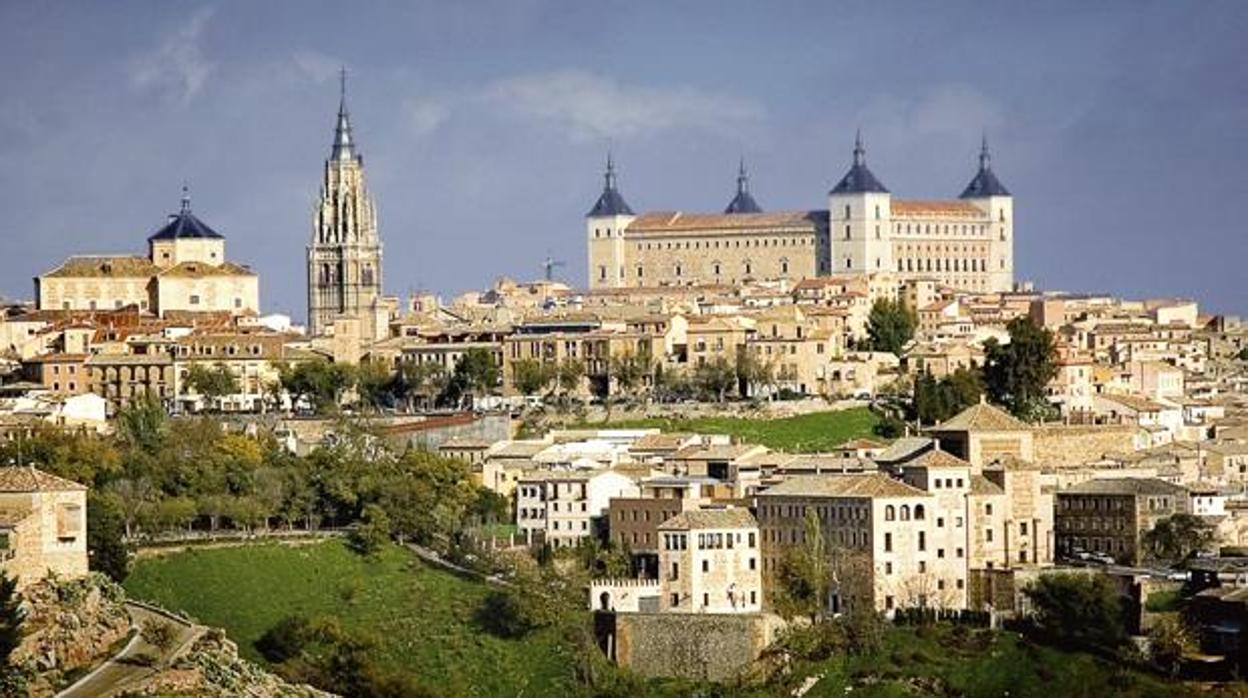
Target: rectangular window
922 541
706 565
888 542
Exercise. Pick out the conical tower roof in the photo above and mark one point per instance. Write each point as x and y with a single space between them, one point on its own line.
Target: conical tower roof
985 182
743 202
610 202
184 225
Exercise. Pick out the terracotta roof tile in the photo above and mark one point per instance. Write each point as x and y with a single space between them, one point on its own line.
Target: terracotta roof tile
865 485
959 209
710 518
982 417
679 221
124 266
27 478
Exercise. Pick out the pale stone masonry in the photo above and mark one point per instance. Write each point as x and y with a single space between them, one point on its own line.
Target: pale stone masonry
709 562
965 243
43 525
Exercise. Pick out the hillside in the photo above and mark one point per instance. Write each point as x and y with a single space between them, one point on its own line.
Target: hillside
806 433
421 618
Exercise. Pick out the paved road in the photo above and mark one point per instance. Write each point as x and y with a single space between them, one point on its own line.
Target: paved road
124 668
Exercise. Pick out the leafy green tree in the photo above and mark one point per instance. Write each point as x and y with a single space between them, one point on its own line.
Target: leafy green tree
419 382
106 547
11 617
1243 354
81 456
476 374
319 382
890 326
755 373
936 400
1016 374
715 379
568 375
213 383
143 423
1177 537
1168 641
805 574
374 381
428 498
1077 610
530 376
371 533
629 371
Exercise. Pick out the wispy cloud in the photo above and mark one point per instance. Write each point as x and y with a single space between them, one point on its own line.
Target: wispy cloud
593 106
317 66
176 68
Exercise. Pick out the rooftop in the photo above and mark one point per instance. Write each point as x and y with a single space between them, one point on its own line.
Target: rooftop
982 417
1126 485
711 518
855 485
26 478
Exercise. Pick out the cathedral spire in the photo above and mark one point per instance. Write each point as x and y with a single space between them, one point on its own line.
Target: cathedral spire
344 144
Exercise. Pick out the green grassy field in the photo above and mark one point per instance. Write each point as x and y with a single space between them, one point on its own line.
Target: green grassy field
422 617
941 661
808 433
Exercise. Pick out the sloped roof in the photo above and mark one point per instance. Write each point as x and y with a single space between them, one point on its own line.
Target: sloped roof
105 266
985 183
904 448
26 478
983 486
938 459
982 417
910 207
610 203
1125 485
198 270
855 485
711 518
676 221
185 225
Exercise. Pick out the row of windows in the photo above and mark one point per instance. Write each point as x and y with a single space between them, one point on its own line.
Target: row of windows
715 244
943 264
890 512
1069 524
717 269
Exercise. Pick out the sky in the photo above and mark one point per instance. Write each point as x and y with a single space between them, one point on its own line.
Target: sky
1120 127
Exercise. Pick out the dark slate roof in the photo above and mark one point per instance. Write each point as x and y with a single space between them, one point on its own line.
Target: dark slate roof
985 182
610 203
184 224
859 179
743 202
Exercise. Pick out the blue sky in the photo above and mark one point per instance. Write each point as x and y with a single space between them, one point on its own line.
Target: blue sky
1119 126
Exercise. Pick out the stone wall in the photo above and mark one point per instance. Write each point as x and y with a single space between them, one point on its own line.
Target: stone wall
1069 444
690 645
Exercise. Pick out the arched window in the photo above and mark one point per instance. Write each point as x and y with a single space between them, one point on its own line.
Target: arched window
905 512
918 512
890 513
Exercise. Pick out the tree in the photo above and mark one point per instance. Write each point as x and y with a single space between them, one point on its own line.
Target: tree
755 374
476 373
321 383
817 569
1083 610
890 326
374 383
530 376
142 424
106 548
371 533
1168 640
629 371
715 378
1177 537
11 617
568 375
1016 374
936 400
418 381
212 383
427 498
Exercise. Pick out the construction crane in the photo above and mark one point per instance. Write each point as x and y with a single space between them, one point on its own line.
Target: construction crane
549 265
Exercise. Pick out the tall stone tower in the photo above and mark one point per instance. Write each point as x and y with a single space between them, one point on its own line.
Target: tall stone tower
604 228
859 211
989 194
344 257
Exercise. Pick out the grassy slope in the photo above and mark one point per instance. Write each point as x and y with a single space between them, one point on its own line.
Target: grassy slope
808 433
934 660
421 616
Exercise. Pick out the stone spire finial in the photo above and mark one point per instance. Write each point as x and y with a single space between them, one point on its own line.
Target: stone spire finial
186 198
860 153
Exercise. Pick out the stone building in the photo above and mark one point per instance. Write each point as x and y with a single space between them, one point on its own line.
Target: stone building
966 243
185 271
43 525
709 562
894 544
1109 516
344 257
566 507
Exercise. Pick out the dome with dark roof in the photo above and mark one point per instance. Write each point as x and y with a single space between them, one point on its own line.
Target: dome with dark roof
859 179
743 202
184 225
610 202
985 182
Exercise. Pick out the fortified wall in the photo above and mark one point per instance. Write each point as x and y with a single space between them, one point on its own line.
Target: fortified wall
706 646
1070 444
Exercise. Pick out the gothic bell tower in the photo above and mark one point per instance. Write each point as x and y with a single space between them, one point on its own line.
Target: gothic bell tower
344 257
